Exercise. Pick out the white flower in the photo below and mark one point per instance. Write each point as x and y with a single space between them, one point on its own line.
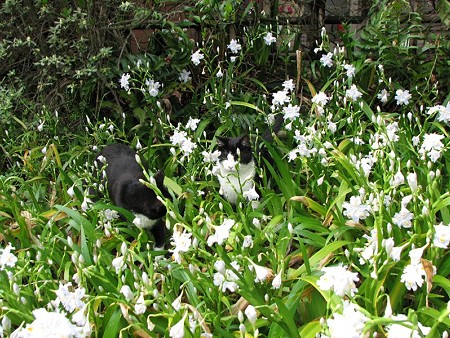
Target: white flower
441 237
276 283
348 324
251 314
415 140
124 81
7 258
371 247
111 214
219 73
398 179
81 316
402 97
211 157
339 280
71 301
251 194
234 46
444 113
403 328
383 96
6 324
280 98
47 323
388 245
222 232
176 304
403 219
197 57
395 253
262 273
184 76
118 263
289 85
182 242
153 87
178 137
177 331
432 142
416 255
327 60
269 38
350 70
391 131
192 124
353 93
140 307
413 275
125 290
355 210
226 278
291 112
247 242
187 147
321 99
138 145
412 181
101 159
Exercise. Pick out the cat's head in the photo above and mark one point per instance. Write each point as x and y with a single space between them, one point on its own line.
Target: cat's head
237 148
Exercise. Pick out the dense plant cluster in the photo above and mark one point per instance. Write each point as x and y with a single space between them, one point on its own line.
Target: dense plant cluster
346 234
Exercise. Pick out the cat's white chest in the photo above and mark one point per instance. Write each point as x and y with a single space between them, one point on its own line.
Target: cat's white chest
143 222
235 181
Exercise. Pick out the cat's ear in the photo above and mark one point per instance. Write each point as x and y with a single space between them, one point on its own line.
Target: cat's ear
245 141
221 142
159 177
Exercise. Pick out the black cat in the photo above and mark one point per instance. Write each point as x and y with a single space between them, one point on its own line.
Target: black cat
236 167
123 173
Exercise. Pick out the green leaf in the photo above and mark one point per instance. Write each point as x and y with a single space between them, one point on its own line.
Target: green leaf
443 9
248 105
310 330
172 185
442 282
317 257
313 205
288 318
112 322
85 227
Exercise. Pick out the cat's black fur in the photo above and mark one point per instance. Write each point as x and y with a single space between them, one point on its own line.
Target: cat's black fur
123 174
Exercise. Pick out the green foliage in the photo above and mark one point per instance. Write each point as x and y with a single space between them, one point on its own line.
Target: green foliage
410 52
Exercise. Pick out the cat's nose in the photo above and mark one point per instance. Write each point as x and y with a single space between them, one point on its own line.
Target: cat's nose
229 165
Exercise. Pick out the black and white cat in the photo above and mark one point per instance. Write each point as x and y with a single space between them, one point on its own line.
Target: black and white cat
236 168
125 190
